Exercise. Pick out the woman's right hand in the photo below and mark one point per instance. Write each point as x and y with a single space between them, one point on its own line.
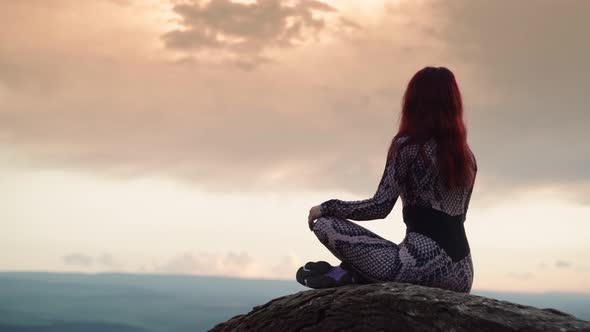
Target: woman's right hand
314 213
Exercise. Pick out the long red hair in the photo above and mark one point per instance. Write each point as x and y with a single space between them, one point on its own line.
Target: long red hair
432 107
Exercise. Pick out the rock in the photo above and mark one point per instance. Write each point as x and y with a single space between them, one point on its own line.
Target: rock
397 307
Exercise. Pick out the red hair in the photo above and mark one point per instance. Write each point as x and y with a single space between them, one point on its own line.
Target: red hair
432 108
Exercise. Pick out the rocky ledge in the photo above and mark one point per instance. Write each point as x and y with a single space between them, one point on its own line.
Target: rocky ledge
397 307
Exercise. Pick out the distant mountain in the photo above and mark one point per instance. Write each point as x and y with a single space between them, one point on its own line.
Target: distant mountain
114 302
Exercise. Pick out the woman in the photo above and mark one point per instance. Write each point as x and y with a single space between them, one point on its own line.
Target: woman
431 167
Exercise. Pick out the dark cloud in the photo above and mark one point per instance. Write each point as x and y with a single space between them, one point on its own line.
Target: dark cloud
562 264
348 23
322 122
246 30
529 56
243 145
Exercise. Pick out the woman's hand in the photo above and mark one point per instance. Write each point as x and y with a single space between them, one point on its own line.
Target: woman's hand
314 213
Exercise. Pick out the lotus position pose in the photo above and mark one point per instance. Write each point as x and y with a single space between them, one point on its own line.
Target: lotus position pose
431 167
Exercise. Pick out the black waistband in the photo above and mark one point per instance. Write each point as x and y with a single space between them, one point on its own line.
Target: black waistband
444 229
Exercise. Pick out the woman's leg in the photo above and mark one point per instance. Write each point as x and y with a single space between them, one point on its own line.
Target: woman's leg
464 274
368 254
417 259
426 263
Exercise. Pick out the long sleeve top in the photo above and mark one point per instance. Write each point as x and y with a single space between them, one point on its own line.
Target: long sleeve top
413 179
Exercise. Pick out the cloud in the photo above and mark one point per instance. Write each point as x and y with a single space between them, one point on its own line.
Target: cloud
78 260
560 264
244 31
109 261
286 267
81 260
321 119
528 57
293 128
205 263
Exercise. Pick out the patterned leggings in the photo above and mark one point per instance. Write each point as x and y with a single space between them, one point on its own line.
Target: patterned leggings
416 260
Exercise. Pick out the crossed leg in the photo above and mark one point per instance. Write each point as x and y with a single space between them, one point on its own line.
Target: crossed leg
417 259
374 258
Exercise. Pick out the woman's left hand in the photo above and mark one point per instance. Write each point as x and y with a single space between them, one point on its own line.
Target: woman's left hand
314 213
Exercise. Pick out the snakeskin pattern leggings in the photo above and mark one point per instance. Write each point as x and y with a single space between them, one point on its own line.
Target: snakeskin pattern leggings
417 259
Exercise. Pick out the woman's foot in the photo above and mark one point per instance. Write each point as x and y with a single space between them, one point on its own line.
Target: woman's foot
323 275
359 279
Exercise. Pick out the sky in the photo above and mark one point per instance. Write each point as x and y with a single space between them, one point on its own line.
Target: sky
193 137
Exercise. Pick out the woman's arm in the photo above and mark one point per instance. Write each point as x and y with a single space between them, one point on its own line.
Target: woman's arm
381 204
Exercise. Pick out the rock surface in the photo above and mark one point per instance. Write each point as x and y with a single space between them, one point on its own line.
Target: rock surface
397 307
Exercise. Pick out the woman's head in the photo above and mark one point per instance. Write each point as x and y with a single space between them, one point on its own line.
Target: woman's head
432 108
432 104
